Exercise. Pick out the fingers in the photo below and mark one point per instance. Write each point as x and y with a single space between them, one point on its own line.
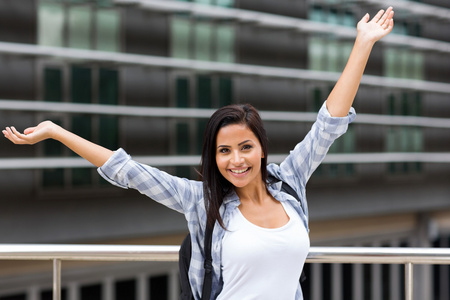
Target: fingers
13 135
29 130
381 17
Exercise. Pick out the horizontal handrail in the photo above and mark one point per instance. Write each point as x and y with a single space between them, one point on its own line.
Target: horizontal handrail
365 255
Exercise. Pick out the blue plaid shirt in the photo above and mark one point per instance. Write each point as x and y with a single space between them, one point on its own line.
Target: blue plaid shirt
186 196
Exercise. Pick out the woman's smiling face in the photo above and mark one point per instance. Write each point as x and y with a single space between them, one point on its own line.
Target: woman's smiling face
238 155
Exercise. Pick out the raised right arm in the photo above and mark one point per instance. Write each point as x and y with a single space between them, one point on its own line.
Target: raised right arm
95 154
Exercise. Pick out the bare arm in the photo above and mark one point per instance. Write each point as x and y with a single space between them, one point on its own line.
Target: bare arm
95 154
341 97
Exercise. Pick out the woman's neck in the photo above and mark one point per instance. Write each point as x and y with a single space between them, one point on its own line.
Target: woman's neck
254 192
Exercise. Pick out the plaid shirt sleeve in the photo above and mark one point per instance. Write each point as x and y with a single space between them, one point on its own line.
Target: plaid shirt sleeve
176 193
309 153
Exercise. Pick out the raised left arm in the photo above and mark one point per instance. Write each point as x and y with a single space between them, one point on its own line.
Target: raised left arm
341 97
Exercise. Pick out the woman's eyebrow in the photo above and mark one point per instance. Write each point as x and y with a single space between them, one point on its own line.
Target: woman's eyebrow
241 143
246 141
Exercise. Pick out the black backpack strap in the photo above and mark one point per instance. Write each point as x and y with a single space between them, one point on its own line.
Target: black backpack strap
207 280
183 264
287 189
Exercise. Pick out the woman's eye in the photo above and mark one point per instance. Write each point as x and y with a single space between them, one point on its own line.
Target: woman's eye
223 150
246 147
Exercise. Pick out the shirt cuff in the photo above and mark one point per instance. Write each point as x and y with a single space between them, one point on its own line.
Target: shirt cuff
337 125
113 165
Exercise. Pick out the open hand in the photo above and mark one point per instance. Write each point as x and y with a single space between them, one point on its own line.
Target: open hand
31 135
376 28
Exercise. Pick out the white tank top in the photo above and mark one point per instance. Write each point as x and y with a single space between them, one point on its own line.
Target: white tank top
263 263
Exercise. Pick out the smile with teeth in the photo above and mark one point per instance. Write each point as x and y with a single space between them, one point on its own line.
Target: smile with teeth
239 171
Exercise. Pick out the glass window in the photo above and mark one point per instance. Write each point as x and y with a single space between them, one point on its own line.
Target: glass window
418 64
225 43
108 90
53 90
80 26
404 138
203 41
348 19
316 53
316 14
333 17
182 92
390 63
209 2
81 85
107 30
204 92
181 32
183 140
225 91
51 24
225 3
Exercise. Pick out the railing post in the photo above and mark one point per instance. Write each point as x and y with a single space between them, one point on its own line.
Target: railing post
56 279
409 281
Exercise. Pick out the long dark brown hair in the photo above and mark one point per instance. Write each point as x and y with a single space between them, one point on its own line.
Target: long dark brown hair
215 186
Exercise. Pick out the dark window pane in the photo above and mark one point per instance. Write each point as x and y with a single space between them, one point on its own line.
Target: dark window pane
204 92
125 290
317 99
52 84
159 286
81 85
182 92
108 132
108 86
81 125
91 292
225 91
201 125
182 138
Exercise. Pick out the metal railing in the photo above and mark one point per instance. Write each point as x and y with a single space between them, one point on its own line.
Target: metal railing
355 255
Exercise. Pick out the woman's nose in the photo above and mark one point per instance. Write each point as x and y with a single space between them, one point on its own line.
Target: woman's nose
237 159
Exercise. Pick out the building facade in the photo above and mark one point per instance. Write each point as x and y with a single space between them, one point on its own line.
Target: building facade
145 75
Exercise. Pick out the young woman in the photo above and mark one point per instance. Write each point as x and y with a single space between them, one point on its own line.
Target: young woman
262 242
